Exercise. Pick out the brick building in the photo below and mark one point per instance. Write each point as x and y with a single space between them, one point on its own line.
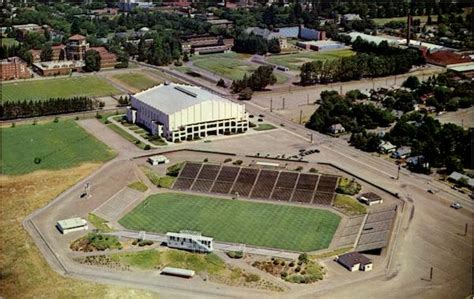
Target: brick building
14 68
76 47
107 59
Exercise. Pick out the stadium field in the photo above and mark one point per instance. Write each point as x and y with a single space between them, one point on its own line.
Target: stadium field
52 145
294 61
252 223
39 90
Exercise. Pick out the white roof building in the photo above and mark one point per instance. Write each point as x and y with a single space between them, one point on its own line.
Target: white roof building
189 240
71 225
373 38
179 112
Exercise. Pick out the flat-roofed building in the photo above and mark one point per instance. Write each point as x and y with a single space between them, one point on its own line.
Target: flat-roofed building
180 112
370 198
14 68
206 44
71 225
55 68
354 261
187 240
157 160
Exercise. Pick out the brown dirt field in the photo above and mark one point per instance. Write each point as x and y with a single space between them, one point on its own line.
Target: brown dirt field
24 272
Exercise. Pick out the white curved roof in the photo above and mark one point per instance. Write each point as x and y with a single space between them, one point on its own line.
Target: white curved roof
172 97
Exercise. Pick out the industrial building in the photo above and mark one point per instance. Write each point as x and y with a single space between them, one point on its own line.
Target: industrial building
180 112
191 241
71 225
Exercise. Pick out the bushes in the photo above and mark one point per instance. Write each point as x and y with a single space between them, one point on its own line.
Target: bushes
238 162
174 170
251 277
349 187
235 254
227 160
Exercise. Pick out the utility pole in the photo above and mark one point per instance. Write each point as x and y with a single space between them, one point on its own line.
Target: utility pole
307 99
373 83
465 229
301 116
431 273
340 89
398 172
271 104
283 103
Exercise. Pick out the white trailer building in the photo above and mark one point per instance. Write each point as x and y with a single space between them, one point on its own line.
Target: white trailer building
181 112
71 225
187 240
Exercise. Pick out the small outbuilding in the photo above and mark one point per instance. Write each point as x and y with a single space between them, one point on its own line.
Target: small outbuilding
354 261
370 198
402 152
336 129
71 225
387 147
185 273
159 159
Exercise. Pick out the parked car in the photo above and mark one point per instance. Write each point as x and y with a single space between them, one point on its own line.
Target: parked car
456 205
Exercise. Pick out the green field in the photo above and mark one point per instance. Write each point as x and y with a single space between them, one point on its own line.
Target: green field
230 65
294 61
253 223
8 42
137 80
58 145
38 90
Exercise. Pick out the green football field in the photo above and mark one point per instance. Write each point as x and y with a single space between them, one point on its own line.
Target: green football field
58 145
231 65
38 90
252 223
137 80
295 61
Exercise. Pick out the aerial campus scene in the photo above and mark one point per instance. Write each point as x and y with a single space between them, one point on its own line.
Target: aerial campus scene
237 149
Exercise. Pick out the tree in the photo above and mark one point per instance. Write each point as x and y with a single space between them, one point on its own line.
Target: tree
92 61
246 94
46 52
262 77
274 46
411 82
221 83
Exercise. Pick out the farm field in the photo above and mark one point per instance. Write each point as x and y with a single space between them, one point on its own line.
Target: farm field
232 66
294 61
136 80
260 224
38 90
52 145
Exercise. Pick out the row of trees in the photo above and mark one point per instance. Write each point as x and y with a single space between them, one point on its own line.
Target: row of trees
358 66
53 106
353 116
164 49
254 44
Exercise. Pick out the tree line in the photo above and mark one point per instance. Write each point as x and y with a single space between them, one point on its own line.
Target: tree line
254 44
258 80
52 106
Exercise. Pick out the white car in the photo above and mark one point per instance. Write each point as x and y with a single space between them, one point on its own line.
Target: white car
456 205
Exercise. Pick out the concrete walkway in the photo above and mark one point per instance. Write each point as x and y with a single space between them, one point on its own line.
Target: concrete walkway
217 245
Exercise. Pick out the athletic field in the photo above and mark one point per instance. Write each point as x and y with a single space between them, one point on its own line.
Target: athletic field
57 145
38 90
295 61
231 65
136 80
252 223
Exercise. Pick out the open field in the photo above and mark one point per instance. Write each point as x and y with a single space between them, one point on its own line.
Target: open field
260 224
294 61
136 80
462 117
230 65
38 90
25 274
52 145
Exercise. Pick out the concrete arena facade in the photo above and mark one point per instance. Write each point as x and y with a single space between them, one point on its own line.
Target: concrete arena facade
179 112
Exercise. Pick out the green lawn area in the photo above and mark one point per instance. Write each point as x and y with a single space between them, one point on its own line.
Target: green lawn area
57 145
38 90
229 65
139 186
137 80
349 205
99 223
126 135
8 42
264 127
260 224
294 61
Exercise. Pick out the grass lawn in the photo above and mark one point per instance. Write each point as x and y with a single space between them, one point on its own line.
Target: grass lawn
260 224
230 65
99 223
139 186
264 127
126 135
58 145
38 90
136 80
349 205
294 61
8 42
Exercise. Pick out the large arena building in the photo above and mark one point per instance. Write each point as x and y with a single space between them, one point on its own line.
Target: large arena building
181 112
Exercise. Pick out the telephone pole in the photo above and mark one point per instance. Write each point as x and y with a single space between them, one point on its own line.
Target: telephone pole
271 104
283 103
301 116
307 99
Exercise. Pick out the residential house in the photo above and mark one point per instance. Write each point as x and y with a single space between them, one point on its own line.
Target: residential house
402 152
387 147
459 177
336 129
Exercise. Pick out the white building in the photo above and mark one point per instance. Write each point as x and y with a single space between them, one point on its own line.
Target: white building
71 225
157 160
182 112
188 240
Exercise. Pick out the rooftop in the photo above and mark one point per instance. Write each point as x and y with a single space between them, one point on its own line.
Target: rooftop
47 65
462 67
373 38
71 223
353 258
77 37
189 235
170 98
370 196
